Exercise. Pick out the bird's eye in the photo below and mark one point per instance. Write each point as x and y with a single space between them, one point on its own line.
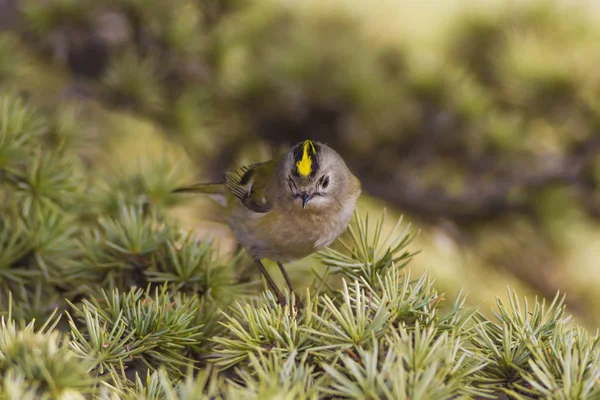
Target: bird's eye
324 182
292 185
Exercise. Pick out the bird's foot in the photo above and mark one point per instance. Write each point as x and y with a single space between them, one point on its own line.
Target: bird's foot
281 299
298 304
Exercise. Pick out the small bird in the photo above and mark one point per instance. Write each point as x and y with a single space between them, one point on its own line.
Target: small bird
288 207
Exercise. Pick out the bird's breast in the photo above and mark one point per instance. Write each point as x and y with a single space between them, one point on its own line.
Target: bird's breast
285 237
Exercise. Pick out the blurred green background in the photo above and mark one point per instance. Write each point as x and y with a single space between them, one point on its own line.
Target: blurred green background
479 121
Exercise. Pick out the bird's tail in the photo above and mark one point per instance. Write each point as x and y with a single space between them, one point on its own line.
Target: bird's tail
216 191
205 188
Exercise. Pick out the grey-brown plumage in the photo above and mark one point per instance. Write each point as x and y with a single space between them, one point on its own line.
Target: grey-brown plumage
289 207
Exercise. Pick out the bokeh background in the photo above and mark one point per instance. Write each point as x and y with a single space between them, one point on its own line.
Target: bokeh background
479 121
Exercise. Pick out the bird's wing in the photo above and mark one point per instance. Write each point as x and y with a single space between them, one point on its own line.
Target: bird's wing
244 185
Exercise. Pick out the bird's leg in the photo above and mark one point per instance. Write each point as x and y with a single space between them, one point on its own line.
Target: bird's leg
271 282
290 285
286 276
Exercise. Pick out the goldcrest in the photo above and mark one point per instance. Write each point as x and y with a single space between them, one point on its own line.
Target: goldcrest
288 207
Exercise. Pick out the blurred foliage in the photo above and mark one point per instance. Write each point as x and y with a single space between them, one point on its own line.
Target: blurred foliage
481 122
478 121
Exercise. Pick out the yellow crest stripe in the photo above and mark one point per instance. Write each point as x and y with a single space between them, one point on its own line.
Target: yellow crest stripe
304 166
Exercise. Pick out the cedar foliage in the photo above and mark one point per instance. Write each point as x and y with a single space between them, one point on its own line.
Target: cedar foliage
104 296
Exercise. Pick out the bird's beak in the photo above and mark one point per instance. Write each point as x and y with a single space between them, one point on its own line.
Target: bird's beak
305 198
